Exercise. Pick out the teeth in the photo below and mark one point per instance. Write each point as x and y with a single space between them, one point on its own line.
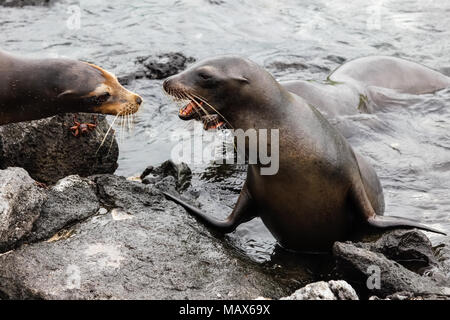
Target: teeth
188 109
194 106
221 123
215 126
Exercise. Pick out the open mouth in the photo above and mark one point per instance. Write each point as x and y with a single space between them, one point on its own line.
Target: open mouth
197 107
193 110
197 110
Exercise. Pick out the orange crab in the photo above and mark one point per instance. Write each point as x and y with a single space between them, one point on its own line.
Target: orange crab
83 128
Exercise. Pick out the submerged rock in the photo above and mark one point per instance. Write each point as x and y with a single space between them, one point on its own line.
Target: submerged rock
48 150
22 3
331 290
148 249
180 172
20 205
164 65
155 67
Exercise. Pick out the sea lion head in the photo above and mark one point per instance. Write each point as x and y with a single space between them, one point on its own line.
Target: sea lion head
33 89
85 87
220 86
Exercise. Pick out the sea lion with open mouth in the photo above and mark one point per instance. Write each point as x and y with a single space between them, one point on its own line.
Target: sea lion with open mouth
32 89
322 192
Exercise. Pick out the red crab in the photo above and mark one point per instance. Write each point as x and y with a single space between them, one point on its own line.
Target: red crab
41 185
83 128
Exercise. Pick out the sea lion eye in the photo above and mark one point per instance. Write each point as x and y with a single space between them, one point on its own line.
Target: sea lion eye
204 75
102 98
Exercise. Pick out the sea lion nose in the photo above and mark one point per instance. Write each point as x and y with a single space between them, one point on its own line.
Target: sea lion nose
138 100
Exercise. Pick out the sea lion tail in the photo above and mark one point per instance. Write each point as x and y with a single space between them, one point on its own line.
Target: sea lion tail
222 225
393 221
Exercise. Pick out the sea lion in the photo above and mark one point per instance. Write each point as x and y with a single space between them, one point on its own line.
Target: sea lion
322 191
365 85
32 89
362 85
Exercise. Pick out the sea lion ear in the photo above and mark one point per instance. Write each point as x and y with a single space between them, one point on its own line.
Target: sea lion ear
66 93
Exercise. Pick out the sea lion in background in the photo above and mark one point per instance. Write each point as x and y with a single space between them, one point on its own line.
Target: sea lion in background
364 85
321 193
32 89
367 84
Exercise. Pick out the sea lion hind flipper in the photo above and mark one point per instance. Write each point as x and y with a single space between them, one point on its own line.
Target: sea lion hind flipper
243 211
362 202
393 221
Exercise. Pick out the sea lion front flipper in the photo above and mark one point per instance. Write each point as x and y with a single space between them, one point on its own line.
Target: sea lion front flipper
243 211
362 202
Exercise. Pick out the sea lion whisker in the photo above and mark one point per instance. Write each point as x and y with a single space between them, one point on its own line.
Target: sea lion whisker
122 128
111 143
106 135
125 116
215 110
184 95
198 105
180 95
124 131
131 122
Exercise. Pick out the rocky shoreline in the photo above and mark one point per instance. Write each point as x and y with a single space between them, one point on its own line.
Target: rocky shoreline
95 235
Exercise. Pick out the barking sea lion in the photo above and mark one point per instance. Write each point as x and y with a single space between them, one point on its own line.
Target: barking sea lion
322 191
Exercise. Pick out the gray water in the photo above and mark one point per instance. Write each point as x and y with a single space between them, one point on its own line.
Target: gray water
408 146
